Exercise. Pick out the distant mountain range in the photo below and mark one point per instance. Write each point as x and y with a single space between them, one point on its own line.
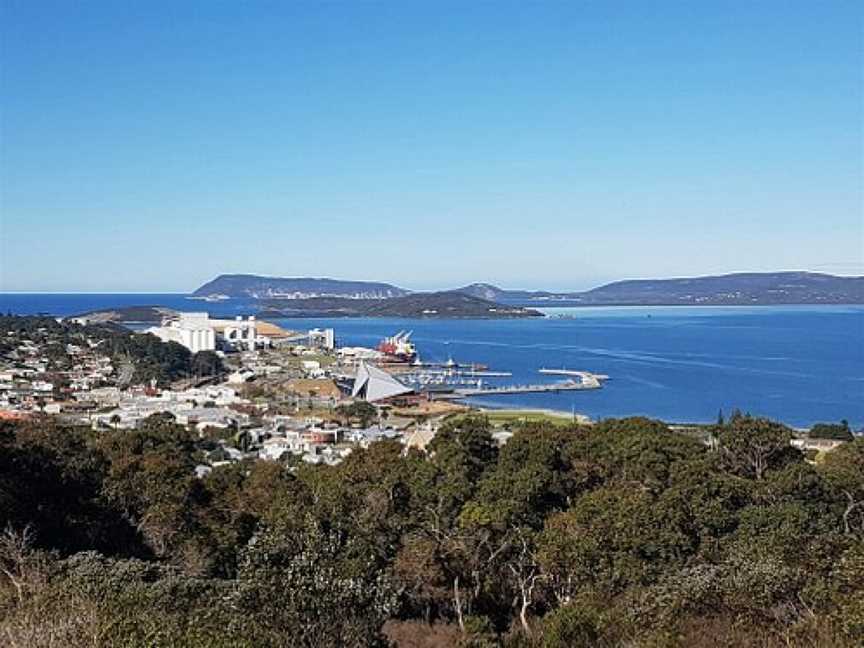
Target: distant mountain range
732 289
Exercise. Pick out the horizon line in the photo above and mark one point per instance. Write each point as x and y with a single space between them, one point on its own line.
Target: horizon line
461 285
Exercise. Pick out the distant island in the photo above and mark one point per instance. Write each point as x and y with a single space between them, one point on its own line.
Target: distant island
353 298
425 305
451 304
750 288
276 297
257 287
126 315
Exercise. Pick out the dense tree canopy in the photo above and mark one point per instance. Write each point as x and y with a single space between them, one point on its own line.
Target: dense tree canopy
835 431
360 411
620 533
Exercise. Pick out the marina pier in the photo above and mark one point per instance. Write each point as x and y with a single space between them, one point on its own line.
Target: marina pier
585 376
569 385
586 381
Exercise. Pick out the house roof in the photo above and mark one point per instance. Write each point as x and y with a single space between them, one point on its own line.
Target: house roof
10 415
420 438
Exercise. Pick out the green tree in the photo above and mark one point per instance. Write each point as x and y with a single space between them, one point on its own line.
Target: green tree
843 468
634 449
206 363
463 451
532 477
581 623
151 479
752 446
835 431
359 411
613 538
296 585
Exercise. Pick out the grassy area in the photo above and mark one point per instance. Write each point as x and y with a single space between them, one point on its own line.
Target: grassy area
509 417
289 360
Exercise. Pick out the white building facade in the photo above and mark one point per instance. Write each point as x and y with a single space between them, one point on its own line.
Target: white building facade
193 330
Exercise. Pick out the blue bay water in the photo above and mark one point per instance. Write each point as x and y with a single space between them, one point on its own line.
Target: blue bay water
798 364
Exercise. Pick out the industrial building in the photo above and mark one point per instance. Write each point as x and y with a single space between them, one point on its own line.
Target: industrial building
373 384
322 338
193 330
198 332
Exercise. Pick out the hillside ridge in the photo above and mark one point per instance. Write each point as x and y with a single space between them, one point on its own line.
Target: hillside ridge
741 288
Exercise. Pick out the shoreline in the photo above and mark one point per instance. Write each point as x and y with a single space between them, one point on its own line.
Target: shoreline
585 419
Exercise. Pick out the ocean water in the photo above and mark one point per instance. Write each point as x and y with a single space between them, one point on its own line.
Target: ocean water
65 304
798 364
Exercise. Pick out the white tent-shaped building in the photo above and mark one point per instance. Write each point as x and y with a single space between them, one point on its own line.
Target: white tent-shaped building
373 384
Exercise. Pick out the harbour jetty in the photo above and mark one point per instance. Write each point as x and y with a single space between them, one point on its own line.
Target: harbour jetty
566 385
586 380
585 376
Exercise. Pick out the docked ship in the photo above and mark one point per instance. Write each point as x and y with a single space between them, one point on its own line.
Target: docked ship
399 347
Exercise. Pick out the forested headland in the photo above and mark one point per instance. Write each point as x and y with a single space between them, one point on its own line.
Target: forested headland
147 357
622 533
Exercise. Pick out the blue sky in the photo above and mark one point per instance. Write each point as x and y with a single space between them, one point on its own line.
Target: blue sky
151 146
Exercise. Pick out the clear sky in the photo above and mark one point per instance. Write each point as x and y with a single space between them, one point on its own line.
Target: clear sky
150 146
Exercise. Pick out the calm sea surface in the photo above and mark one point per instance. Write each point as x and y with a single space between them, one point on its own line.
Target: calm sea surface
799 364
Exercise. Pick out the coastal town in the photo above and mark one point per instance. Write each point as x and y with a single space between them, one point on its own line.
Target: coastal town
252 390
237 455
273 392
265 393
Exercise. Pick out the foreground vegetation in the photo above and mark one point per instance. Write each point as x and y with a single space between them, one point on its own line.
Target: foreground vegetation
621 533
